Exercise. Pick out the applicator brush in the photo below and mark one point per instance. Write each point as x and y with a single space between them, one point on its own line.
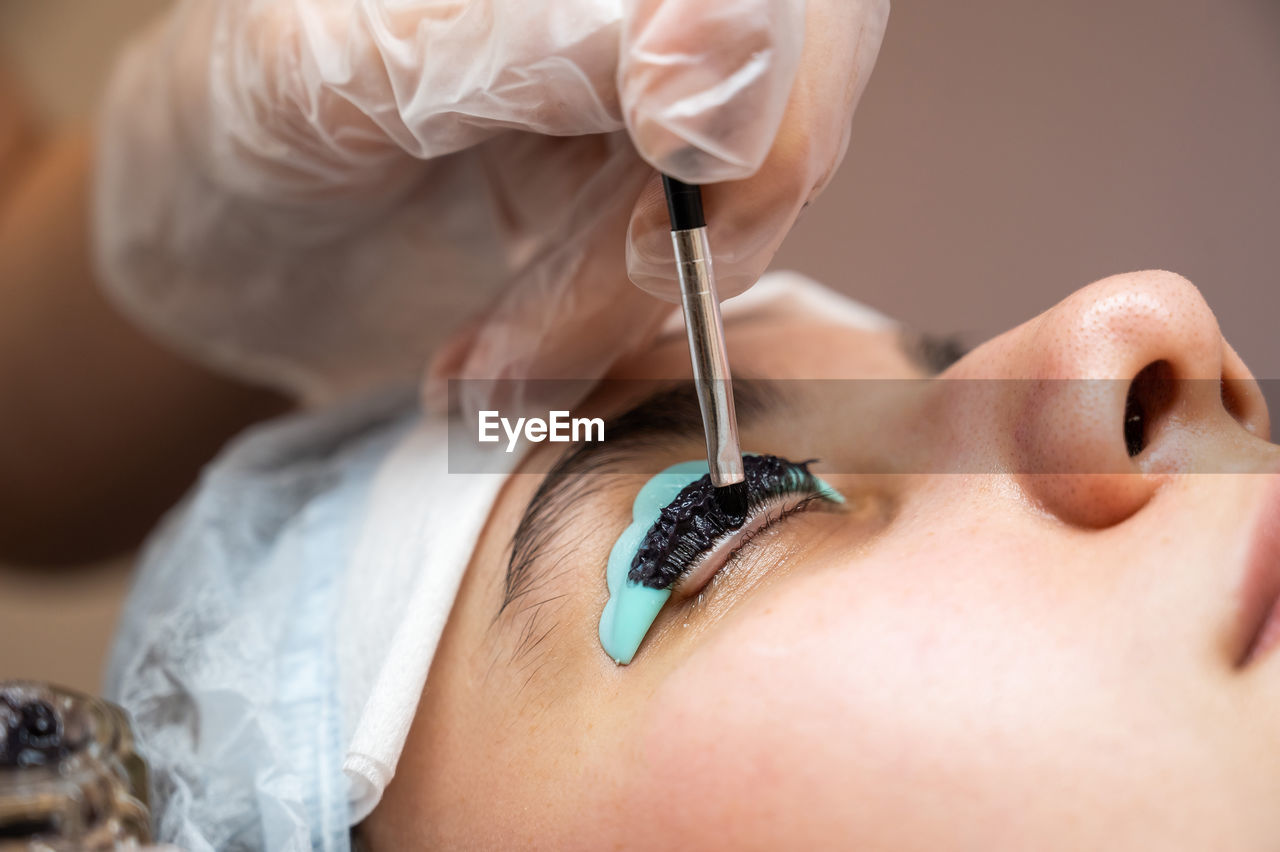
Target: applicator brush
706 341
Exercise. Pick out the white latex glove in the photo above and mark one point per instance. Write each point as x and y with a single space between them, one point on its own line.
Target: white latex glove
318 193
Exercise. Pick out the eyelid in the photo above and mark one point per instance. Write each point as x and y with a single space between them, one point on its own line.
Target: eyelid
724 554
677 518
693 520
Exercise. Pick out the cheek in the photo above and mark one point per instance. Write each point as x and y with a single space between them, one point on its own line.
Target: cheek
882 703
736 761
804 720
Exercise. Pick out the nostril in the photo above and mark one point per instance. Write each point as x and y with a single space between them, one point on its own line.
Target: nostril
1135 428
1150 396
1231 400
1241 396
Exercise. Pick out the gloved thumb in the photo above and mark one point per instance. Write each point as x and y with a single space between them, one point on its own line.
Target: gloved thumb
703 86
759 113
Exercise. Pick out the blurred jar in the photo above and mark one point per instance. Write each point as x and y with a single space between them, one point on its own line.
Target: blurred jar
69 776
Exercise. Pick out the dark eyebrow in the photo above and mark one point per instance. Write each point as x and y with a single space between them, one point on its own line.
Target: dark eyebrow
932 353
670 412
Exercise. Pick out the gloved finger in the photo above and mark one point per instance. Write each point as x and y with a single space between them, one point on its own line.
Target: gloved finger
318 299
311 97
325 287
571 313
703 85
748 219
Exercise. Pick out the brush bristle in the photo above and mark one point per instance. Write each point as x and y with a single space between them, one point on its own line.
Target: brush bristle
701 515
732 499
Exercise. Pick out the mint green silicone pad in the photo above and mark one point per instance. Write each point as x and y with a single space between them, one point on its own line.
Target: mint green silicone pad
632 607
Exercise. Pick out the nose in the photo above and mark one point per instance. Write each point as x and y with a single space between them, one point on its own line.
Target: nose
1131 381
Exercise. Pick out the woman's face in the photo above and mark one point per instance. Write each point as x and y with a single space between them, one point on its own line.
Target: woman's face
1052 650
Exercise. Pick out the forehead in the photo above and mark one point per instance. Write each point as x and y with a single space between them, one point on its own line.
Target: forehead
798 347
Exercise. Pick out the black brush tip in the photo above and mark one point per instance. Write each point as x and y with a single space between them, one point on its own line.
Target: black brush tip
732 499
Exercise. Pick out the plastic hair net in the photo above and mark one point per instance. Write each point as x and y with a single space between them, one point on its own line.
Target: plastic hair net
278 637
268 636
315 193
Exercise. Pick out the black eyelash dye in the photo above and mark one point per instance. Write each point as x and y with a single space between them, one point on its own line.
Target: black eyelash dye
701 514
677 519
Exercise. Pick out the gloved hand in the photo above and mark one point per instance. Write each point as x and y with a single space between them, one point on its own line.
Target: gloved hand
316 193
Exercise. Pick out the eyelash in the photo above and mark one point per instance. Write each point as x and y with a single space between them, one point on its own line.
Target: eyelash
699 573
696 525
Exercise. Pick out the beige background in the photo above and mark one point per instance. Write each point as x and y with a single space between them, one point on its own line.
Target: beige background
1007 152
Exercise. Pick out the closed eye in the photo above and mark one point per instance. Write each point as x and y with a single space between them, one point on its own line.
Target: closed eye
696 532
724 552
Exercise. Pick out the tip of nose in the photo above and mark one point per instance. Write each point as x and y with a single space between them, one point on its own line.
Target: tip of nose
1115 327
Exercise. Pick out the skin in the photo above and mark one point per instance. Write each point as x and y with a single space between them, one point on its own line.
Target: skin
1003 658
